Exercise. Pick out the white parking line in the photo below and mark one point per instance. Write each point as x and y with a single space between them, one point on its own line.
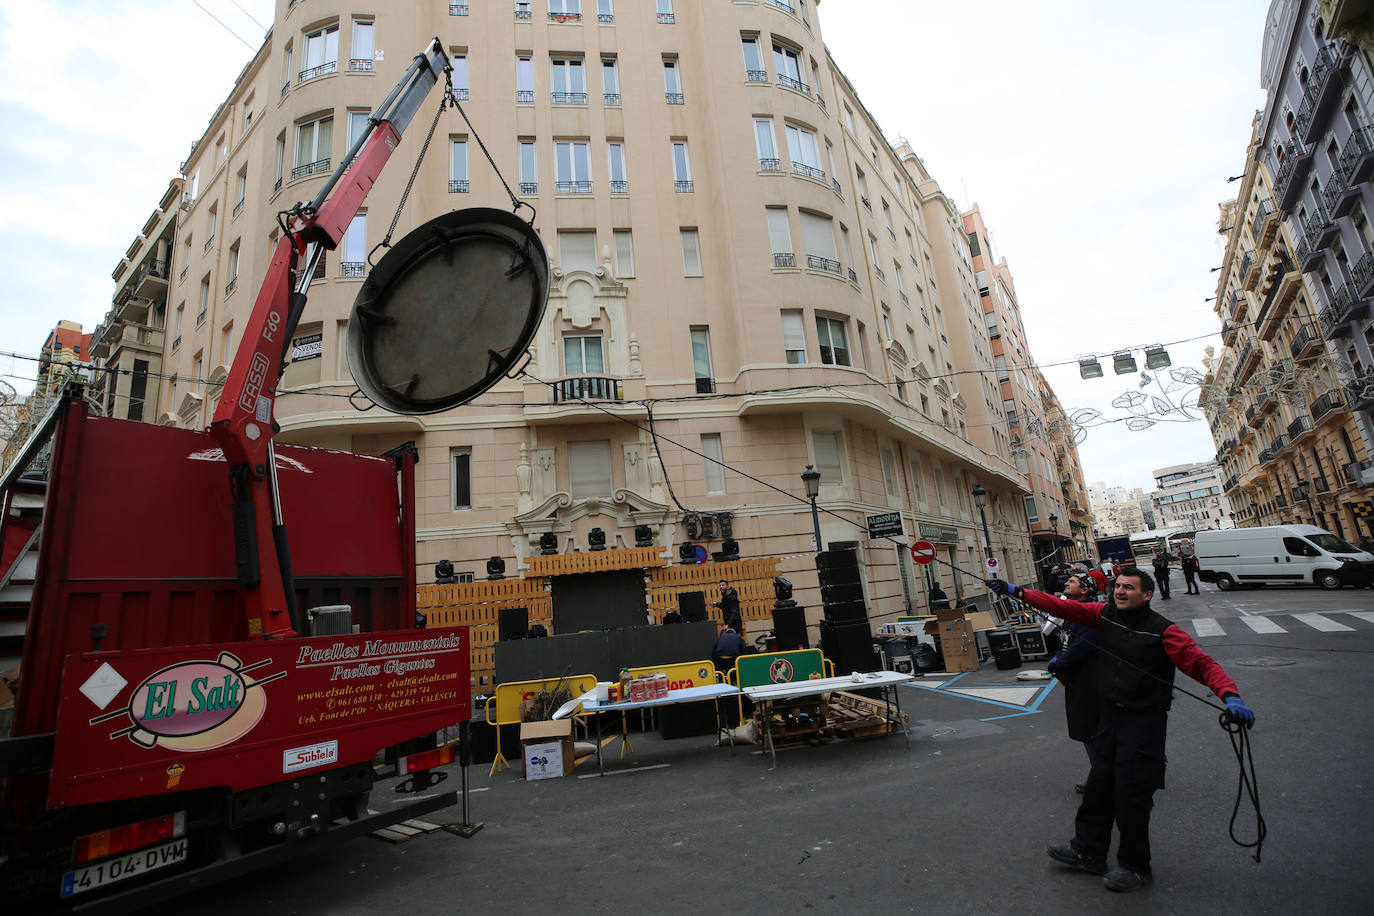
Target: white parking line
1263 625
1318 622
1363 615
1206 626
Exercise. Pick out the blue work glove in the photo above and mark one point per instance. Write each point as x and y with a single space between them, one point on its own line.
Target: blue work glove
1052 666
1239 712
1001 587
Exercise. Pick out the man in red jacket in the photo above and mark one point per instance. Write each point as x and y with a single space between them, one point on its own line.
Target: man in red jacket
1138 652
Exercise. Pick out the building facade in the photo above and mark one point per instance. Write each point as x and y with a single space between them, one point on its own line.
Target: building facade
1189 496
1078 526
1290 391
737 252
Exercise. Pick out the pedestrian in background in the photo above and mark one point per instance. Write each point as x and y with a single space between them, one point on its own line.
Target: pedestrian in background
1189 563
729 607
1161 565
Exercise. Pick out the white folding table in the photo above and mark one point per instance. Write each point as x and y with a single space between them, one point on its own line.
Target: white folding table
769 693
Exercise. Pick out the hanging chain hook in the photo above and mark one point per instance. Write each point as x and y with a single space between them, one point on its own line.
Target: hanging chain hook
424 148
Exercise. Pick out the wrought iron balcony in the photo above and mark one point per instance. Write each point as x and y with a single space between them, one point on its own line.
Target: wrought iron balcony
184 270
605 18
756 76
460 93
529 187
770 165
1238 305
1339 197
610 98
796 84
568 98
1317 232
458 186
808 171
1363 274
620 187
1359 473
315 72
360 65
229 287
673 98
1262 226
1357 159
683 187
310 168
457 9
784 259
1288 181
522 14
564 17
879 271
276 185
1266 456
1246 263
1323 91
1332 400
667 18
176 342
151 280
835 183
589 387
524 96
208 242
815 262
1279 444
853 277
572 187
1305 343
1228 332
906 300
352 268
1346 306
1268 400
286 87
1359 392
1253 417
1280 501
779 4
1300 427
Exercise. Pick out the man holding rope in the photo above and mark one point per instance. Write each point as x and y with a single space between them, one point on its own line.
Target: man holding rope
1139 650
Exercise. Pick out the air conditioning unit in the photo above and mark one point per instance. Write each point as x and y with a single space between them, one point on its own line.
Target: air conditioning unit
185 199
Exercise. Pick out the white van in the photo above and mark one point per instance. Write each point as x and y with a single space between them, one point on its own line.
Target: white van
1280 554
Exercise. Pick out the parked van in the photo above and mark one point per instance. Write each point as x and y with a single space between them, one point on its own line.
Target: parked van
1280 554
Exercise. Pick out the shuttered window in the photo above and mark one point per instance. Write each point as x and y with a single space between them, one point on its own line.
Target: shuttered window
589 468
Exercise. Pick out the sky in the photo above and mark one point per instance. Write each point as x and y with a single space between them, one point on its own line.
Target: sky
1095 137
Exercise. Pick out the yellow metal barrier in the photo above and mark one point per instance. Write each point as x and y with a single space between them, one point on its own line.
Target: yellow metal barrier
683 674
507 700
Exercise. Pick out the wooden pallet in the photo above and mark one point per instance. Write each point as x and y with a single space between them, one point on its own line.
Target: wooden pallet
795 722
855 716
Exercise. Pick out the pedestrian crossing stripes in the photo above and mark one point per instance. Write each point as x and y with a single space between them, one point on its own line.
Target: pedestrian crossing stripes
1204 627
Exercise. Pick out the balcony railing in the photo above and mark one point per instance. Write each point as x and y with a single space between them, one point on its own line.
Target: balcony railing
1317 232
610 98
1287 183
457 9
569 98
815 262
522 14
1305 338
572 187
796 84
879 271
667 18
835 183
352 268
779 4
529 187
1228 331
310 168
1331 400
673 98
184 270
524 96
1257 225
1246 263
460 93
906 300
232 285
770 165
784 259
1357 159
458 186
682 187
1319 97
238 207
1300 427
756 76
314 72
1363 274
276 185
620 186
1279 444
360 65
176 342
807 171
590 387
564 17
208 242
853 277
605 18
1345 305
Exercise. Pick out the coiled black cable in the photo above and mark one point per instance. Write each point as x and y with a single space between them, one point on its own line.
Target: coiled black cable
1247 782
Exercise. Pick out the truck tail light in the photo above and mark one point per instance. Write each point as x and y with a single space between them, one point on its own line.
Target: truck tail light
118 840
426 760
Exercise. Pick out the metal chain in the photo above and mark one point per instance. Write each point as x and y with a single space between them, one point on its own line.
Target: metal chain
516 203
400 205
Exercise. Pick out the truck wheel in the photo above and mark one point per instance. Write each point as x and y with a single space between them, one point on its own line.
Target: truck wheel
1225 582
1327 579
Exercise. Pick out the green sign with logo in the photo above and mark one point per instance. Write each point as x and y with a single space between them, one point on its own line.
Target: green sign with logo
780 667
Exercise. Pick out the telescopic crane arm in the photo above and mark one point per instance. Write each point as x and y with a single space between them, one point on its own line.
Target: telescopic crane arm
243 424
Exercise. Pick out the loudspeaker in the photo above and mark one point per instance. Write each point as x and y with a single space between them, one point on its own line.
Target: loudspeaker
835 594
846 611
1000 641
849 646
692 606
789 627
512 623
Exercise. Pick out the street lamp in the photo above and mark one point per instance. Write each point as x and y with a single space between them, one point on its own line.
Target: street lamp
980 499
1303 490
812 479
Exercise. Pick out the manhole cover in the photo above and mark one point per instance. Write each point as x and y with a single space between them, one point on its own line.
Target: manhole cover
1265 662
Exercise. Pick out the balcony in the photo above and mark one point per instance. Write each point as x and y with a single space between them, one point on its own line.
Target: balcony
352 269
605 18
564 17
879 271
458 186
784 259
1340 196
853 277
1265 223
807 171
756 76
815 262
610 98
1279 445
1268 400
683 187
568 98
1307 342
1281 283
1345 307
780 5
522 14
666 18
324 69
229 287
529 187
572 187
1329 406
1288 181
310 168
128 307
1359 392
1247 264
1228 333
770 165
1280 501
1246 362
835 183
1239 306
457 9
1253 417
461 93
1357 159
152 279
1266 456
1364 275
796 84
1318 231
588 387
524 96
1299 428
673 98
620 186
906 300
360 65
1323 91
1359 473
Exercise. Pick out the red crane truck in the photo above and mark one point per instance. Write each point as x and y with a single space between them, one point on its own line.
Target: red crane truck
179 715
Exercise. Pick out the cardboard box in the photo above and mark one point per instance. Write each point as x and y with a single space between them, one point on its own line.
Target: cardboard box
957 641
546 749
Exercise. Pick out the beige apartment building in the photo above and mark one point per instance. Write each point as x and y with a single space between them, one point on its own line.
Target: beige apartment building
1078 525
737 254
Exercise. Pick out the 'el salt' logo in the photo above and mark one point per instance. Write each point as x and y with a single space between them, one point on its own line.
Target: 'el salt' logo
196 705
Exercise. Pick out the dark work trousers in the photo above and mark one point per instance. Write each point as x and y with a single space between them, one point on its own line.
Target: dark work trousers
1190 578
1162 582
1127 767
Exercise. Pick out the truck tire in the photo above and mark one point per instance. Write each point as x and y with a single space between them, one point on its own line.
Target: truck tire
1327 578
1225 582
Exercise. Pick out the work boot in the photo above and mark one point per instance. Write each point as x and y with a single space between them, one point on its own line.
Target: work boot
1122 880
1080 787
1067 855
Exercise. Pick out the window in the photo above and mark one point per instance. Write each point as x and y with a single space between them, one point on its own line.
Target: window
1032 512
313 140
712 462
753 61
241 182
529 172
615 156
459 61
458 165
849 119
862 184
211 224
624 253
691 253
701 360
569 82
785 61
780 237
524 79
763 140
219 150
589 468
665 11
204 300
577 250
916 478
940 486
354 254
887 325
572 167
830 335
605 11
819 236
682 168
890 486
794 337
806 159
610 81
460 477
321 53
248 111
361 59
565 9
672 81
233 262
281 162
582 355
825 445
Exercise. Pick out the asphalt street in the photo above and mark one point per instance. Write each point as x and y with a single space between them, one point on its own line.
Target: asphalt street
954 823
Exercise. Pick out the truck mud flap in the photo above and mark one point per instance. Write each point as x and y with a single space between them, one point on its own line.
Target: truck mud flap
137 898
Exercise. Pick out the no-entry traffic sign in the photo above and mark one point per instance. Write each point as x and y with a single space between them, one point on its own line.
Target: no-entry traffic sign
992 567
923 552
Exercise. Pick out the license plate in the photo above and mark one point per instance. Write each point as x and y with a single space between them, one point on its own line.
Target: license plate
121 868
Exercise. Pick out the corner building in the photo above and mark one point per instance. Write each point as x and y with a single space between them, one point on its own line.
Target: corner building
734 249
